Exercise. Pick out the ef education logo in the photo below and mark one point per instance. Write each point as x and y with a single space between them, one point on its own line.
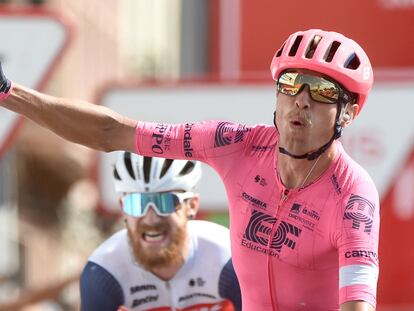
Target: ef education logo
227 133
258 234
361 212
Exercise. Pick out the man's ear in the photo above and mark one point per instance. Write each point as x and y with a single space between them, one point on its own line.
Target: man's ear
193 206
351 111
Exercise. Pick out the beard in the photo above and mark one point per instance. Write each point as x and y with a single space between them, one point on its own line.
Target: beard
155 258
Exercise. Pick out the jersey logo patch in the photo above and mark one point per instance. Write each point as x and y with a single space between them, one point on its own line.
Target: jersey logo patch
260 180
161 138
188 150
361 212
307 216
147 299
139 288
227 133
196 282
259 230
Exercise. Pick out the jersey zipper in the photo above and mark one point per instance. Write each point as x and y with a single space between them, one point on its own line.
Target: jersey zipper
283 197
168 287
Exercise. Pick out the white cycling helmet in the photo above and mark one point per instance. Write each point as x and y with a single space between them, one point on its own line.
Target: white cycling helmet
135 173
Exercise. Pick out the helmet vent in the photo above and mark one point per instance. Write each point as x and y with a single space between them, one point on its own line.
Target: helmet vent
165 167
280 50
312 46
147 169
128 164
331 51
352 62
295 46
187 169
116 175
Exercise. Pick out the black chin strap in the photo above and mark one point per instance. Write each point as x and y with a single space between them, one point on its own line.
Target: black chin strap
313 155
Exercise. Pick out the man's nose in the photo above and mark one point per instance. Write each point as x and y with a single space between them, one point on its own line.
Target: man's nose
303 99
151 217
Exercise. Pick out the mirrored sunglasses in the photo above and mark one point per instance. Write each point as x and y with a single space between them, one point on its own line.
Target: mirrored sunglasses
321 89
164 203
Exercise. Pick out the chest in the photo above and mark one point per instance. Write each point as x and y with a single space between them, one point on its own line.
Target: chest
294 226
190 288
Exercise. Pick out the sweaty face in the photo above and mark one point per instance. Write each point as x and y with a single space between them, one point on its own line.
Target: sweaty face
304 124
158 240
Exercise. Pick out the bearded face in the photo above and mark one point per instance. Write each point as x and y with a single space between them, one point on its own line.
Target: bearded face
158 243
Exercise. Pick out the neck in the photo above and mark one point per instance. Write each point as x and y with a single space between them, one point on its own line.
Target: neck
166 273
298 173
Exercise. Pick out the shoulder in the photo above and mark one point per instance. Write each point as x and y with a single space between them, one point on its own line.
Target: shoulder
353 176
209 234
207 230
359 203
112 251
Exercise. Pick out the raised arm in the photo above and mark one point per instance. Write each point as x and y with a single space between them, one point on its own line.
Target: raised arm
84 123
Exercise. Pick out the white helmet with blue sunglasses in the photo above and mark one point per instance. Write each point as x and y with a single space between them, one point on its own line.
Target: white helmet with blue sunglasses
151 181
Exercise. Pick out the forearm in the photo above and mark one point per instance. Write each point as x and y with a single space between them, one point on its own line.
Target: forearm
91 125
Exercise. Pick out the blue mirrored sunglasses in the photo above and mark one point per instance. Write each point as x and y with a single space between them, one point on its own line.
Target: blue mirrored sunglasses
164 203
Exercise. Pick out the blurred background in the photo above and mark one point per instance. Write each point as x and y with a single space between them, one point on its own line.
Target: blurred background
179 60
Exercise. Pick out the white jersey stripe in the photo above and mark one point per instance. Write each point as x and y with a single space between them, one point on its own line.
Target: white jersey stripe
358 275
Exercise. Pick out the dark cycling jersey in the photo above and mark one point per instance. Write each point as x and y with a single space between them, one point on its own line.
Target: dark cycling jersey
206 281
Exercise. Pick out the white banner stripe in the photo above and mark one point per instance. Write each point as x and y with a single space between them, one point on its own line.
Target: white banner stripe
358 275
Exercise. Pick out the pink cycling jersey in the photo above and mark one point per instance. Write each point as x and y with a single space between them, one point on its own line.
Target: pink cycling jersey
293 249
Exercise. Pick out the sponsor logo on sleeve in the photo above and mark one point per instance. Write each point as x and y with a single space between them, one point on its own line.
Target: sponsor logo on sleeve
258 234
336 185
228 133
188 150
159 139
361 254
360 212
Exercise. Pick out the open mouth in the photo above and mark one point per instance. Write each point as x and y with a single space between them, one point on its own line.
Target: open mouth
153 236
298 122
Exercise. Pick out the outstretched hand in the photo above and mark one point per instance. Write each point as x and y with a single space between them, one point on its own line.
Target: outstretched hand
5 85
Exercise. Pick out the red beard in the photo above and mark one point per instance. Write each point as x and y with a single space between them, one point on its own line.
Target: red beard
163 256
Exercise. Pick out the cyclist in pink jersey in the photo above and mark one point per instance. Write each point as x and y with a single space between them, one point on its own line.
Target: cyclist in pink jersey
304 217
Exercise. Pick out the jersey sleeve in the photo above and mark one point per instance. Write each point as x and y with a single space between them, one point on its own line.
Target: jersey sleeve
229 287
216 143
99 290
357 237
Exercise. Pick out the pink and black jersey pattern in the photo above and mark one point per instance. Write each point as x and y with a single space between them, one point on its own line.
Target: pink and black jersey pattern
293 249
